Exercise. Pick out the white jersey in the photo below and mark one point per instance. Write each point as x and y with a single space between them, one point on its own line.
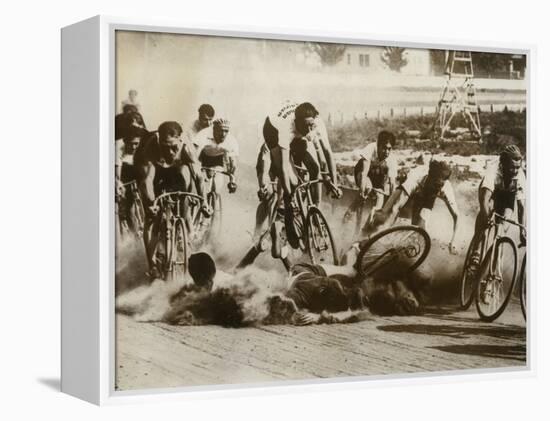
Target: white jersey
283 121
415 183
191 133
370 153
493 181
209 147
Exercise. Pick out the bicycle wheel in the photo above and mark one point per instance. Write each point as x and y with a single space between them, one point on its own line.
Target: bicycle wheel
178 252
496 279
468 281
320 242
523 287
393 252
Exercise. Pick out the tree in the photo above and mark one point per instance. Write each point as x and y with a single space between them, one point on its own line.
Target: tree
394 58
437 59
330 54
490 64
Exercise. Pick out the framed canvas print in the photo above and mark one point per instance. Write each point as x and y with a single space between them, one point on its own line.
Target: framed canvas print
244 209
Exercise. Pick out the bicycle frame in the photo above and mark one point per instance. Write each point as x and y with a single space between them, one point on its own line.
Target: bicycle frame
494 222
171 205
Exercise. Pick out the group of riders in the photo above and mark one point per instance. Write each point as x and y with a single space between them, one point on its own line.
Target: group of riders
295 148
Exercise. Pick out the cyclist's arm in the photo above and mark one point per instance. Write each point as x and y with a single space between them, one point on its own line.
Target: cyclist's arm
521 212
450 201
485 207
389 212
329 158
261 166
232 166
147 176
364 174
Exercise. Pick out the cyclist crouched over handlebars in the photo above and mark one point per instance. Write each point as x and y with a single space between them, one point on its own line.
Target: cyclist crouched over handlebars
294 135
162 165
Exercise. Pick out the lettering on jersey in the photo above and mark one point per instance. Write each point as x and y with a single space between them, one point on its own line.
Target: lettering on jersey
286 110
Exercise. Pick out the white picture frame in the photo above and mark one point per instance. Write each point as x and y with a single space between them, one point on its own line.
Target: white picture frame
88 307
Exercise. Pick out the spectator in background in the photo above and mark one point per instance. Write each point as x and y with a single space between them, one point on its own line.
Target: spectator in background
204 120
131 100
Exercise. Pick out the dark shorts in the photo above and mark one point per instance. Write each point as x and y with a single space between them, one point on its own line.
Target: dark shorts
378 174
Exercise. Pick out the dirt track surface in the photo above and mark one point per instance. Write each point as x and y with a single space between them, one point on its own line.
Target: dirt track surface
157 355
153 355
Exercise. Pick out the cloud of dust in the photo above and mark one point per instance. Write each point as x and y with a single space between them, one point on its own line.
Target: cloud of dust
240 300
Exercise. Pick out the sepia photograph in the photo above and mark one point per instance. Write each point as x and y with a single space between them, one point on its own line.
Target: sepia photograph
298 210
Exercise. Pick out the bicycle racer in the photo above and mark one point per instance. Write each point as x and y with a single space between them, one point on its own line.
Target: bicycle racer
293 135
500 189
414 199
218 149
160 168
376 168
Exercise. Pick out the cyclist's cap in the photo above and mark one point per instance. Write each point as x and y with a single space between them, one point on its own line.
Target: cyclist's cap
202 269
512 152
222 122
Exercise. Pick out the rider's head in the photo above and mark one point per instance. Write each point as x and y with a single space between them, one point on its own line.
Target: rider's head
170 139
129 108
438 174
132 137
385 143
206 115
220 129
132 94
202 270
304 117
510 161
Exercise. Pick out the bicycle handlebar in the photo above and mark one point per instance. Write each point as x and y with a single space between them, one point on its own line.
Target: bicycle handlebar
176 194
213 169
502 218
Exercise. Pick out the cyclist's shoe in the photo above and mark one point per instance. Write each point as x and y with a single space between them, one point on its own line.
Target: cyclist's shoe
206 210
154 273
263 194
275 232
473 263
232 187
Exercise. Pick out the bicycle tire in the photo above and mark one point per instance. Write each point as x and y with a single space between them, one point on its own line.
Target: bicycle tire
362 261
491 315
316 217
178 252
467 297
523 287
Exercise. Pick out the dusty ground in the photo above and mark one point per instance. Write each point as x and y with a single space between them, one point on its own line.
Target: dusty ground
153 354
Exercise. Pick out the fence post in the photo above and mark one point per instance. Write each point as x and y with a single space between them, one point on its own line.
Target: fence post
405 112
421 111
391 112
366 117
378 115
491 108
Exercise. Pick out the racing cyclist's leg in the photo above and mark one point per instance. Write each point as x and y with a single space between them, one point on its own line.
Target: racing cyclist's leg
314 171
359 176
151 240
